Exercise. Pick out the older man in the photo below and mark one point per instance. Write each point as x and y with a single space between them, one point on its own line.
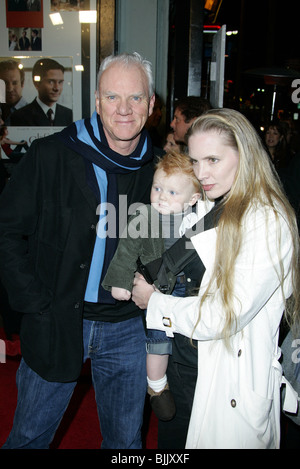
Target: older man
14 78
53 258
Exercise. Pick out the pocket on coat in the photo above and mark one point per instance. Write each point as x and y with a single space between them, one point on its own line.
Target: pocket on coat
36 335
256 425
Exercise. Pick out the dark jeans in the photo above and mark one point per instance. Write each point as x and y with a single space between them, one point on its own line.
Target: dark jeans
182 382
118 362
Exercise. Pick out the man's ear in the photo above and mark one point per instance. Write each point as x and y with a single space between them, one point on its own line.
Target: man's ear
97 101
151 104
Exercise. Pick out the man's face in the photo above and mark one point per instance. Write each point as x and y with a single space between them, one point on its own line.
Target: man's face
179 126
123 106
13 86
50 87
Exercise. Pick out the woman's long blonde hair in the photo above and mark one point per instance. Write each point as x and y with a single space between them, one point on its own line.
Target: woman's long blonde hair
256 183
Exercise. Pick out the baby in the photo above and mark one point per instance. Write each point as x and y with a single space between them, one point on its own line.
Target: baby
152 230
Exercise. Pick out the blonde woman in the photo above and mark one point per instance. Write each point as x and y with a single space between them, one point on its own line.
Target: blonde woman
250 268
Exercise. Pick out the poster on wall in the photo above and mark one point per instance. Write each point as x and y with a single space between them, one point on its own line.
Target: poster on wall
24 39
24 13
33 86
68 43
69 5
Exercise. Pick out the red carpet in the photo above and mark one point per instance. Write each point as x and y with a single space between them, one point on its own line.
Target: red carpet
79 428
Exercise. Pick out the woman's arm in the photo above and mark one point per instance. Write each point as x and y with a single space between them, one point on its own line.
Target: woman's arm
256 278
141 291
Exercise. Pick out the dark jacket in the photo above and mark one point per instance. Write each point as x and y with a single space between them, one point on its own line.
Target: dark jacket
33 115
47 233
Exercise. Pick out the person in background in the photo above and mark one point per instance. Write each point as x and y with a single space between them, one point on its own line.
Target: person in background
171 145
276 142
13 76
175 190
24 43
13 42
36 42
17 5
34 5
55 252
44 110
153 122
187 109
226 335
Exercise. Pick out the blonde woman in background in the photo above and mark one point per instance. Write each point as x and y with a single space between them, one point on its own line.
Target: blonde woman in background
250 257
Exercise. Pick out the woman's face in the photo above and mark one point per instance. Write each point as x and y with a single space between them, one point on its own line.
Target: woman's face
272 137
170 144
215 163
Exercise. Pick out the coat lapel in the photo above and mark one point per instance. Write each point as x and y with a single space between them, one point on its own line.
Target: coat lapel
205 245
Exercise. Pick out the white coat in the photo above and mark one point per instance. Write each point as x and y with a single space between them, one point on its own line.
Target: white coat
237 396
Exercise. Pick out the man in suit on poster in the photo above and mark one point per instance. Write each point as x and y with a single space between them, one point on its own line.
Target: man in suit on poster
24 43
13 76
17 5
34 5
36 42
48 79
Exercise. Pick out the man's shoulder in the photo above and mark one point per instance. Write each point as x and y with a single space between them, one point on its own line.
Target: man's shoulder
25 108
22 112
52 147
50 141
63 108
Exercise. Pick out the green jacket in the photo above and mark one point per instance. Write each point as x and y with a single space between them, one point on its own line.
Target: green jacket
149 245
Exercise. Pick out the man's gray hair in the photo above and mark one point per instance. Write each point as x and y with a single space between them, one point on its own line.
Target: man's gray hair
129 60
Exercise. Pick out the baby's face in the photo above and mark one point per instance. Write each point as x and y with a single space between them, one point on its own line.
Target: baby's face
171 193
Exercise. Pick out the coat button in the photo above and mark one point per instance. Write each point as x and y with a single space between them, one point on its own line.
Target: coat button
239 353
82 266
77 305
233 403
188 279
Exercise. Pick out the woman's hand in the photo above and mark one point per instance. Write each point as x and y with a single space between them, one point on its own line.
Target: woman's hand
141 291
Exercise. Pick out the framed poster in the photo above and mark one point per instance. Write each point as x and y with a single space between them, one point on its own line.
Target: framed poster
30 82
65 39
24 13
71 5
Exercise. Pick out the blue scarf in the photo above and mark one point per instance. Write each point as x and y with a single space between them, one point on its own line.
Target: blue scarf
87 138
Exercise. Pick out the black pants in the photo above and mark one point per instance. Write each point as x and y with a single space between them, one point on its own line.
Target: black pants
182 381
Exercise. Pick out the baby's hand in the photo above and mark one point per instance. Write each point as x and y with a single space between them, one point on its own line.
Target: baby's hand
120 294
